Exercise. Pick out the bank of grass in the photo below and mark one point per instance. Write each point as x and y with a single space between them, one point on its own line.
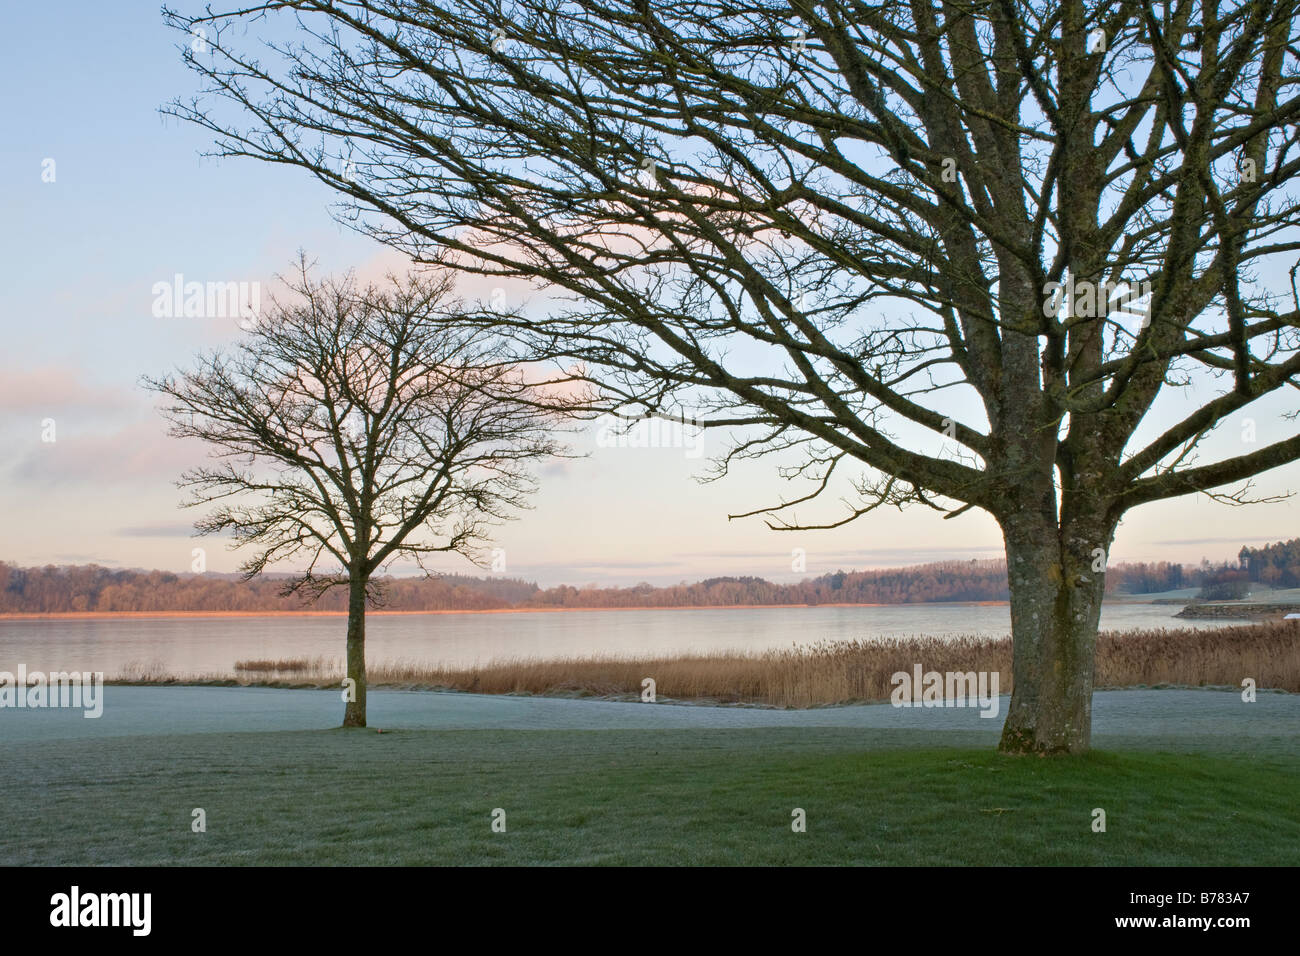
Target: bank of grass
823 673
636 797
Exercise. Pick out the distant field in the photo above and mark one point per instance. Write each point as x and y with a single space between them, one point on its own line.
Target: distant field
1260 594
636 797
1153 595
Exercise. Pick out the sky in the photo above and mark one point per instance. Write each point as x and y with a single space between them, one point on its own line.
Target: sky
102 198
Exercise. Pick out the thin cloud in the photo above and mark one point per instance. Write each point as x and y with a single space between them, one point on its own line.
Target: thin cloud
133 453
1222 539
59 390
172 530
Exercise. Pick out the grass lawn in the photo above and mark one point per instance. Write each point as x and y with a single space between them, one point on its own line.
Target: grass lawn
636 797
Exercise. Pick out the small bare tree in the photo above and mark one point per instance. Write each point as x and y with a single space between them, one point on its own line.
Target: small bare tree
353 427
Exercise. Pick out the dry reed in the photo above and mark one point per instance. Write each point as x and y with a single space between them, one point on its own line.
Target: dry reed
833 672
295 665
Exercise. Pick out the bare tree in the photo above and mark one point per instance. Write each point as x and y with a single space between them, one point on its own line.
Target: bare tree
962 246
354 427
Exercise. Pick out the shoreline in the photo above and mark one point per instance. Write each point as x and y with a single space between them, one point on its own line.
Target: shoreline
104 615
418 687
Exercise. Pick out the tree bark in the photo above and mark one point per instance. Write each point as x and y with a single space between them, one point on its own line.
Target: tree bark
1056 595
354 714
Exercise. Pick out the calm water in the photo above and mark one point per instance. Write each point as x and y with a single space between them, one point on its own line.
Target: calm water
187 646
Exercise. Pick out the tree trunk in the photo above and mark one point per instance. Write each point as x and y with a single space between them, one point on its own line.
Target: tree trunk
354 715
1056 593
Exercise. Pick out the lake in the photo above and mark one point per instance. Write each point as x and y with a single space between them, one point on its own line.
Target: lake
188 646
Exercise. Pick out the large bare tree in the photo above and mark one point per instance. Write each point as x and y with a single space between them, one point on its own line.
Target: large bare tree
355 426
863 232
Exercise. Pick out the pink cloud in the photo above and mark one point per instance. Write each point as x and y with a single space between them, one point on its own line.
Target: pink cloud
54 389
138 452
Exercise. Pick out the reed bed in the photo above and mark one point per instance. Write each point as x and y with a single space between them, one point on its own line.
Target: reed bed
1269 653
297 665
826 672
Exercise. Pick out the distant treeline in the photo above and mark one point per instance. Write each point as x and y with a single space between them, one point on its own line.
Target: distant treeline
1274 564
93 588
944 581
52 589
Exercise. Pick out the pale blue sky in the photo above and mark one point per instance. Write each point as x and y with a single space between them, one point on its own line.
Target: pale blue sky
132 204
